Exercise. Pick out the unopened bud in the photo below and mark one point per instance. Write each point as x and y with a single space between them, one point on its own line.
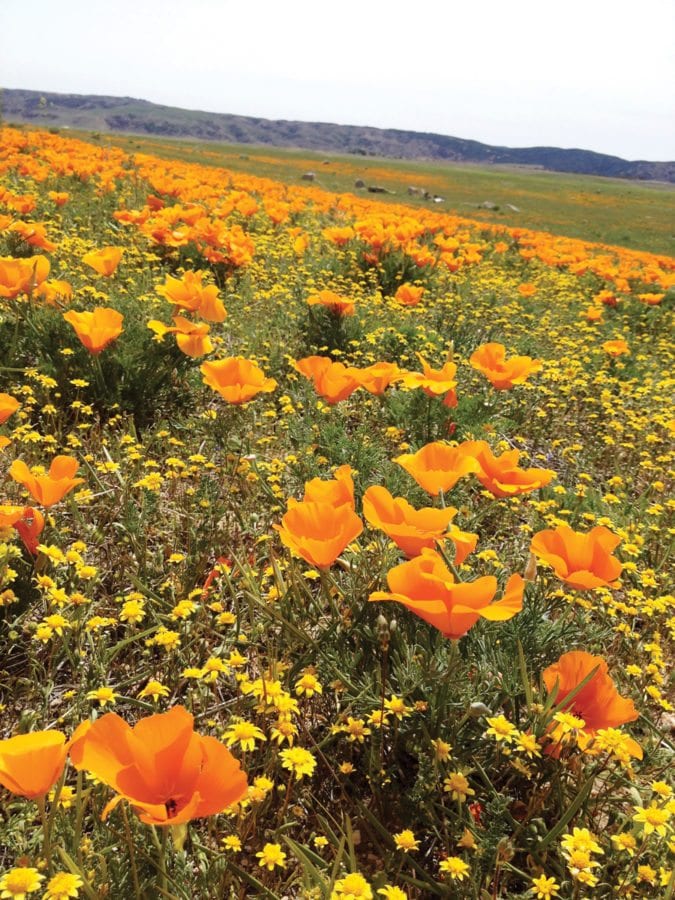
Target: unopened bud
478 709
530 573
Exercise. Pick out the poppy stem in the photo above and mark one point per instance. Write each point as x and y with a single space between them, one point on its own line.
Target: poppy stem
132 852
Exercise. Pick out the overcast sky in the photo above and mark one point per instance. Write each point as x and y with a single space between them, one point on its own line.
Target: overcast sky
596 74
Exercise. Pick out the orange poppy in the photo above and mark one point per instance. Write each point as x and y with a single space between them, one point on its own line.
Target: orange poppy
28 522
34 234
318 532
22 276
427 588
189 293
413 529
192 337
31 764
236 379
29 528
502 373
60 198
598 703
338 490
332 381
501 475
8 406
616 348
593 314
409 294
54 291
48 489
96 329
433 382
438 466
104 261
166 771
339 306
581 560
376 378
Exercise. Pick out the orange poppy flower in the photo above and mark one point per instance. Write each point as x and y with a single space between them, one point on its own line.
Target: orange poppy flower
192 337
409 294
438 466
318 532
413 529
433 382
527 289
583 561
48 489
332 381
651 299
593 314
34 234
29 528
598 703
104 261
189 293
501 475
166 771
54 290
236 379
376 378
616 348
22 276
427 588
60 198
26 521
338 490
490 360
8 406
96 329
339 306
31 764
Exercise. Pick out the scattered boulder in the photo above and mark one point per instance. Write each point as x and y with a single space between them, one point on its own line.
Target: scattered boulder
377 189
438 199
415 191
309 176
512 207
487 204
359 183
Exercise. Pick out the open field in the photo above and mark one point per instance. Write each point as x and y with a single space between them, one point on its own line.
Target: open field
306 590
634 214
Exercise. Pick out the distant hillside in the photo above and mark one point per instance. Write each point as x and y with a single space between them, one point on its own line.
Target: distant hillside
124 114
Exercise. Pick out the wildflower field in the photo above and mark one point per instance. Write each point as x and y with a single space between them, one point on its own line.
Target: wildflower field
334 544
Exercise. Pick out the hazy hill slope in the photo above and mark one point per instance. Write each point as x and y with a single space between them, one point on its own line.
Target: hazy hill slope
125 114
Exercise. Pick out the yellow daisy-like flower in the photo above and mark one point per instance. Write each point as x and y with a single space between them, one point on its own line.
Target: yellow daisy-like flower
356 729
580 839
625 841
243 733
501 729
352 887
457 785
308 685
397 706
232 843
545 888
652 818
103 695
154 689
406 841
299 761
389 892
455 867
63 886
272 856
19 882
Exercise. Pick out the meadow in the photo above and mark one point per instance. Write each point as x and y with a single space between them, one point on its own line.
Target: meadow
335 538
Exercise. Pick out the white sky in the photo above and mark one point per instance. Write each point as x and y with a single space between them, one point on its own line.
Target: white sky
596 74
